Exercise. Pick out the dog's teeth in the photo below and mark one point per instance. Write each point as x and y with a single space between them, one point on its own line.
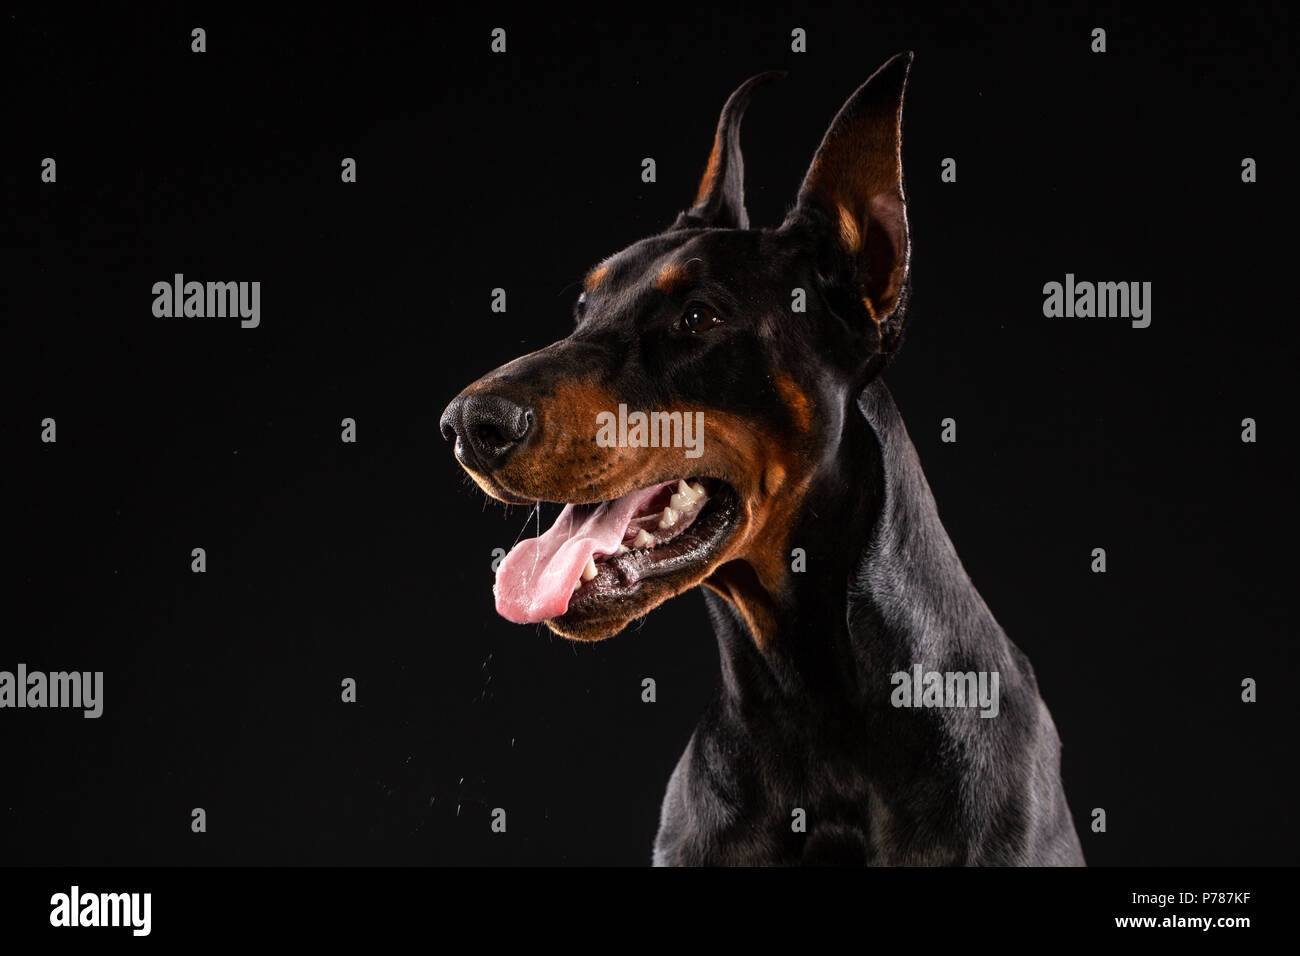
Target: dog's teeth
643 539
699 490
669 519
577 584
622 549
680 502
589 571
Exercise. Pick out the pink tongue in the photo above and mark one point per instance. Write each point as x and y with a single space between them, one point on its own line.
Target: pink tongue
535 581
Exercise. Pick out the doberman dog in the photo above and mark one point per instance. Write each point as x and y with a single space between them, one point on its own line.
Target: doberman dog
832 587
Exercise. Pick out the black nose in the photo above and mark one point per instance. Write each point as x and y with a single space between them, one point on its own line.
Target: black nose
486 428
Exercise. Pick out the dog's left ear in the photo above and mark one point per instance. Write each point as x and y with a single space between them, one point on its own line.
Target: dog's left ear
853 195
720 200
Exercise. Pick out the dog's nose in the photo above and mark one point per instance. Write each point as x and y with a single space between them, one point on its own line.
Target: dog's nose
486 429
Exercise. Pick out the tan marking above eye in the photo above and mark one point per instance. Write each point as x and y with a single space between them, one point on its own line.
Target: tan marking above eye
672 276
595 277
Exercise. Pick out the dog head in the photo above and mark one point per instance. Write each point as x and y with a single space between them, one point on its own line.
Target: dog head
711 366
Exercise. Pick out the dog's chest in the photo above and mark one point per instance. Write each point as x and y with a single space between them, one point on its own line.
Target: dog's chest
757 800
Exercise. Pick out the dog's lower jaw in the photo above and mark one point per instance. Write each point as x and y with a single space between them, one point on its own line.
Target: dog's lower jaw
587 631
601 626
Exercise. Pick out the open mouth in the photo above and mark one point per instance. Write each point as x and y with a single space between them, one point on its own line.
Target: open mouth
599 554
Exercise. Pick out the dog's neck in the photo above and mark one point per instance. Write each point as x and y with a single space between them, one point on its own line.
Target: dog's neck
884 588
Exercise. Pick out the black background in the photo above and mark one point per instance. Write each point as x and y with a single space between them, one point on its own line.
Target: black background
475 171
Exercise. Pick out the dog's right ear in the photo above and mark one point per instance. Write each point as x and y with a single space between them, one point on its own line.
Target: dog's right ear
720 200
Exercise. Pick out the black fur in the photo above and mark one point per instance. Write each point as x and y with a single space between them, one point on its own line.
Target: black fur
812 727
803 719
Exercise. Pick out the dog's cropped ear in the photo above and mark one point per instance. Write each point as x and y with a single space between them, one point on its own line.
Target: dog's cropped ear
720 200
853 193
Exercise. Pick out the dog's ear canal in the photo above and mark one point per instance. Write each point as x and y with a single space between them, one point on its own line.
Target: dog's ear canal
720 200
853 195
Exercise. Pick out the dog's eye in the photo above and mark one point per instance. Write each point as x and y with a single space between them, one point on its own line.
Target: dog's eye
699 318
